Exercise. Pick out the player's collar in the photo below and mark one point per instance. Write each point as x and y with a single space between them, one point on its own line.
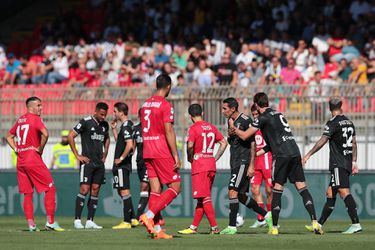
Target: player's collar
239 114
95 119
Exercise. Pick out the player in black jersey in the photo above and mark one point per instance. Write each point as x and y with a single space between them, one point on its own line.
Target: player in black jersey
340 132
122 165
285 154
95 144
141 169
242 155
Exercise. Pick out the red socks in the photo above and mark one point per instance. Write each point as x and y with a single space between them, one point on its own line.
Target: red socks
50 204
165 198
260 217
28 208
209 211
269 207
198 215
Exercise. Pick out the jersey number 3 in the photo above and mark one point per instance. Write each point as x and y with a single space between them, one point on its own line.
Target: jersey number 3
147 118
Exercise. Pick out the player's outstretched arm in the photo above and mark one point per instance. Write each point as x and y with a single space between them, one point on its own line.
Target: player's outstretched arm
222 146
318 145
190 151
354 155
10 141
171 139
244 135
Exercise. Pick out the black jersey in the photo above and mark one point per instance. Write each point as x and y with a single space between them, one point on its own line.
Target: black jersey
277 133
340 131
137 130
239 149
93 137
125 134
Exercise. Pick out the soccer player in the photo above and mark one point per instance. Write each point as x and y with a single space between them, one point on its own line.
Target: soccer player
202 137
160 155
141 169
340 132
95 144
122 165
28 138
263 171
242 155
285 154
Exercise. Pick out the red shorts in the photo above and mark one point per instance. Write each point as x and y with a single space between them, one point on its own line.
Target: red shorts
261 174
37 176
202 183
162 168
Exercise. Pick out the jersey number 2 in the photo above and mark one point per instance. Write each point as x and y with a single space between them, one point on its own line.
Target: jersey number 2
25 129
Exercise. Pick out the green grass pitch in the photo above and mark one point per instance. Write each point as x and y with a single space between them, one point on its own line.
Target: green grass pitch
13 235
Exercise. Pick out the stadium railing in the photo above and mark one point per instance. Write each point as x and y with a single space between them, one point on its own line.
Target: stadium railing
305 110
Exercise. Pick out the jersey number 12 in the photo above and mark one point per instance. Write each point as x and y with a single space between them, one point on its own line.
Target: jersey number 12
210 148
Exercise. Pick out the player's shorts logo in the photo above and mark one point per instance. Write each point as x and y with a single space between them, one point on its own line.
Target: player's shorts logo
196 157
195 193
175 177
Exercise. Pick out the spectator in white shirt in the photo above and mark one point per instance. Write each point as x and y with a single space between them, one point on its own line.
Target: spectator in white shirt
245 56
60 69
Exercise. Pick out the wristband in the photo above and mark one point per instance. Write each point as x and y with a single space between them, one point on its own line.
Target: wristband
121 158
354 162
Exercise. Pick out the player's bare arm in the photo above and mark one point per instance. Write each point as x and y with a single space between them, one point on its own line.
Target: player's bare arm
43 141
114 129
244 135
72 144
11 143
354 155
260 152
171 139
190 151
128 148
222 146
106 147
250 170
318 145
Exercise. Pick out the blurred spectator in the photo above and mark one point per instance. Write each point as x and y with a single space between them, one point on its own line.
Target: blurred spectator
27 69
290 74
204 76
160 56
243 75
226 72
256 72
245 56
60 69
80 77
359 72
274 69
300 56
11 70
344 70
359 7
63 157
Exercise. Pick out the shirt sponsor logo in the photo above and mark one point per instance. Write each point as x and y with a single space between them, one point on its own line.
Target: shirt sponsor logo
92 129
288 138
151 138
347 152
97 137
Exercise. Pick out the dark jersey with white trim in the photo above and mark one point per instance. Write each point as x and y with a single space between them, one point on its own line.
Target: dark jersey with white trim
137 135
125 134
340 131
93 137
277 133
239 149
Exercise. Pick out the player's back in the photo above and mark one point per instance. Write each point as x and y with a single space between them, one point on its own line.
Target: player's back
340 131
27 130
204 135
155 112
277 133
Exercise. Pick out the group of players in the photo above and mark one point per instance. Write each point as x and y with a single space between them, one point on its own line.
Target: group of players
260 149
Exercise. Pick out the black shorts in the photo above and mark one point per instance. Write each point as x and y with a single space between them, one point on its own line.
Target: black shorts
88 174
238 177
339 178
142 172
121 178
284 168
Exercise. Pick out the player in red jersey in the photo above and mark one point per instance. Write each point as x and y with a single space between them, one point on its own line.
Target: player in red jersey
202 137
263 171
27 138
160 155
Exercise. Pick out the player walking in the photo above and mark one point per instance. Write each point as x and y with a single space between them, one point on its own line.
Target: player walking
340 132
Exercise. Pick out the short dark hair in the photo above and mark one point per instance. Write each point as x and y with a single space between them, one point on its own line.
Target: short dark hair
195 110
32 99
163 81
261 99
122 107
335 104
253 107
101 105
232 103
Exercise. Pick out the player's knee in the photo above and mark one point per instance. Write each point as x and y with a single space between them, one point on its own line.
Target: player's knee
95 190
84 190
176 186
144 187
343 192
255 190
232 194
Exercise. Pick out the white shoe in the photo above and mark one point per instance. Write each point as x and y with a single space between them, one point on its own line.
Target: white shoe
92 225
78 224
258 224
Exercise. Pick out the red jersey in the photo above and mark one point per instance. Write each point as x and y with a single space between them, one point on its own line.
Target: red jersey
204 135
154 113
28 133
263 161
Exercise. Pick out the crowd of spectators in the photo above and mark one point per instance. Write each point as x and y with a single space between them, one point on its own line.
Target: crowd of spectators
205 43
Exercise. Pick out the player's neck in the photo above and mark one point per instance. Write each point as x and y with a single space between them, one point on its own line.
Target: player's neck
161 93
197 119
235 115
124 119
262 110
336 112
